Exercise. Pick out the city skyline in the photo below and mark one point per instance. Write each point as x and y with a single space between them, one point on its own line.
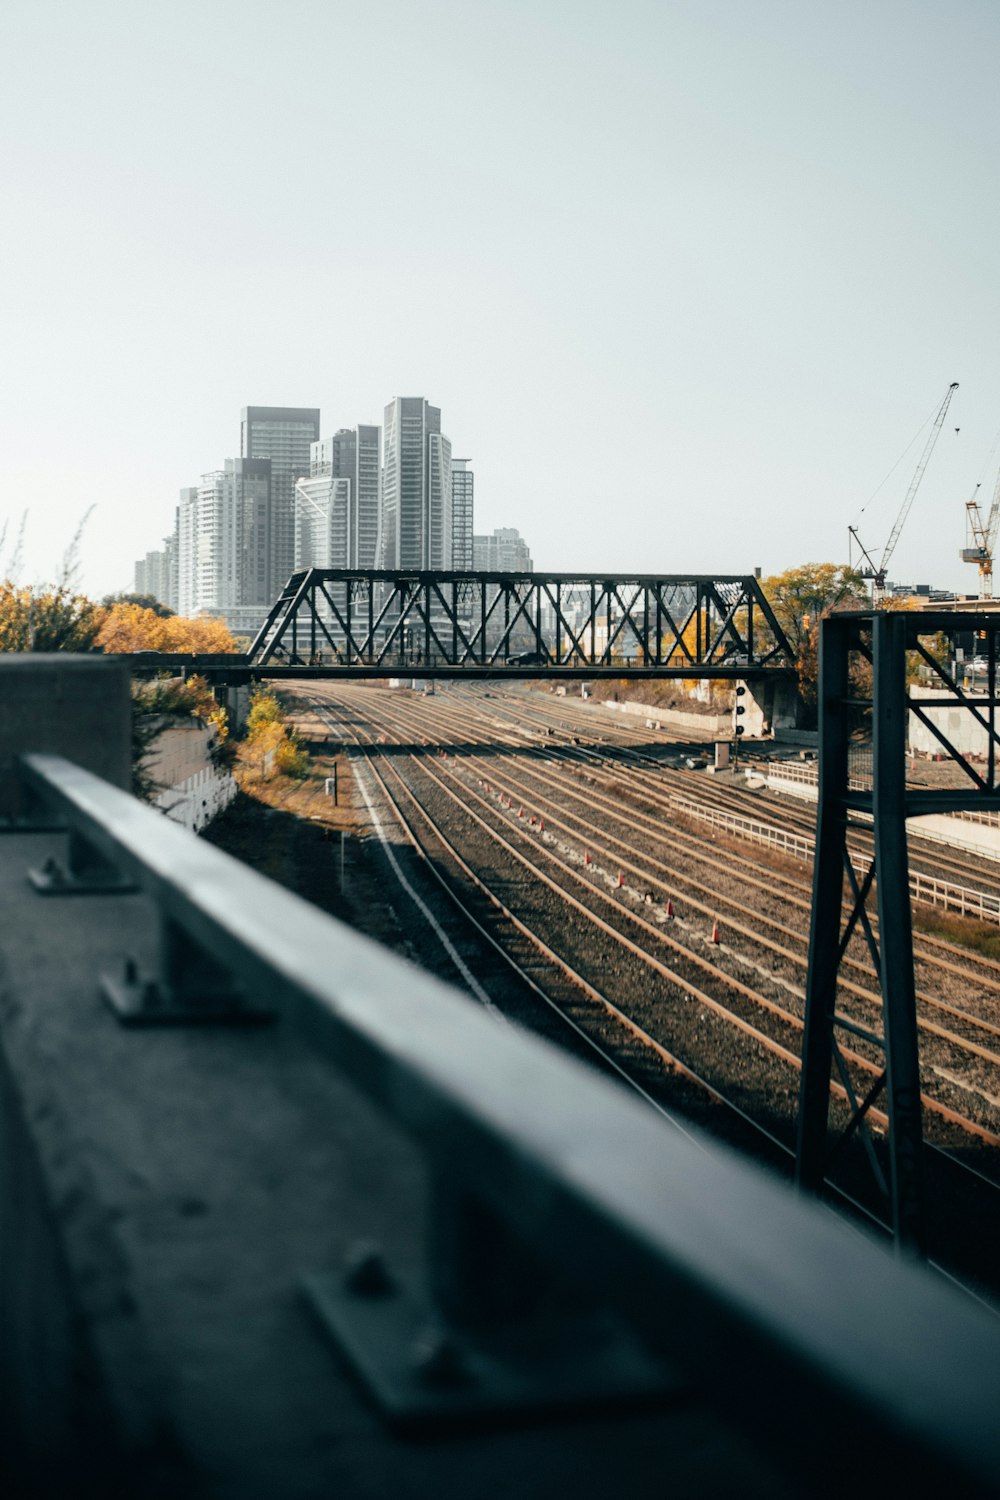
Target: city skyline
294 500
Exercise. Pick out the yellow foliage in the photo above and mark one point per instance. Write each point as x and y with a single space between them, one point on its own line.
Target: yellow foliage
270 745
46 619
264 709
204 633
129 627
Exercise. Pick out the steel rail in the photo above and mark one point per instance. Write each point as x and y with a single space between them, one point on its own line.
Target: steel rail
953 1116
626 857
637 1033
643 1037
934 1106
799 819
937 859
719 899
932 1001
923 941
547 952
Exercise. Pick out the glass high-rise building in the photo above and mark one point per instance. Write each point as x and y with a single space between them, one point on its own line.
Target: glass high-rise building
284 434
416 487
338 508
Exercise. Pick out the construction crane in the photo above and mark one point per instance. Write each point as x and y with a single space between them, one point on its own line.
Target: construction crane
983 536
877 571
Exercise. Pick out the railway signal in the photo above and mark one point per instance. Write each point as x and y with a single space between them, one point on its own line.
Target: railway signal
738 728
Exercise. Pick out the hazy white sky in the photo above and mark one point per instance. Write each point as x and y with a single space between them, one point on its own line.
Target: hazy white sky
685 277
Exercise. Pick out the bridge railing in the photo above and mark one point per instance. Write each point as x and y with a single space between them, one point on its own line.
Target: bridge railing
543 1174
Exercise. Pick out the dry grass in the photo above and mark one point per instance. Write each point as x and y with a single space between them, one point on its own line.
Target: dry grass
965 932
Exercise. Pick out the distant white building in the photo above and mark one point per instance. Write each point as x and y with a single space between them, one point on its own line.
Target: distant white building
222 536
282 435
504 551
156 574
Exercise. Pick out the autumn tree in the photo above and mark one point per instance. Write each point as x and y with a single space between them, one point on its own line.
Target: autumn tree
271 745
50 618
801 596
129 627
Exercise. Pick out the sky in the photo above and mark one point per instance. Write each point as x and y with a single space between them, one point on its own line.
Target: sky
688 279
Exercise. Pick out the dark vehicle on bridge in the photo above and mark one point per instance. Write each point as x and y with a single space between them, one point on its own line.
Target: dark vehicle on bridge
528 659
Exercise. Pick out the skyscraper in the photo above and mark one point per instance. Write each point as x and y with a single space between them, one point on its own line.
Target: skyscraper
338 507
461 515
416 487
284 434
223 537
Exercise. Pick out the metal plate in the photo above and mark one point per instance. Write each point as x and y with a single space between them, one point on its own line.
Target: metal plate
133 1006
389 1341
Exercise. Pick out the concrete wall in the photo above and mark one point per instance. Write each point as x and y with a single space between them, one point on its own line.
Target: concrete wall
77 706
955 723
672 718
192 789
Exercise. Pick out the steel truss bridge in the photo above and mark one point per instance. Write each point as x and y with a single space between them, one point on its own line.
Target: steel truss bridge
333 622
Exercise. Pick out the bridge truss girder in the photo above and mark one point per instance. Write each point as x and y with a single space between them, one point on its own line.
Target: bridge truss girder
383 620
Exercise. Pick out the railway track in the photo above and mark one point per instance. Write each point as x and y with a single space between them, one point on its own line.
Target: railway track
727 1016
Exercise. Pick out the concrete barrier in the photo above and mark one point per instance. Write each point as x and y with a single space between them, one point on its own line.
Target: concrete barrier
79 706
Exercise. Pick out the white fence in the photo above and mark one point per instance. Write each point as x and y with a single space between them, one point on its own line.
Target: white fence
943 893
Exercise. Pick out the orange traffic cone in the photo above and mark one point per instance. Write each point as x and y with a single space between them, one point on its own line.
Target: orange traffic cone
715 931
621 879
586 857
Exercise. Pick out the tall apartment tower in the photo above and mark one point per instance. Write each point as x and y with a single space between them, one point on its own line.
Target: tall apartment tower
338 508
222 544
461 515
416 487
284 434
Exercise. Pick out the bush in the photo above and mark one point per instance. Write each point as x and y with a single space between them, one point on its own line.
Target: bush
270 745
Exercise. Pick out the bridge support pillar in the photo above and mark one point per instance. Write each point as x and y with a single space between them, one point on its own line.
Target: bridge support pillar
772 705
234 697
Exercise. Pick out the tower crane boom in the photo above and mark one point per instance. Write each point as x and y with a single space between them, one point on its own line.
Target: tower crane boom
984 537
878 573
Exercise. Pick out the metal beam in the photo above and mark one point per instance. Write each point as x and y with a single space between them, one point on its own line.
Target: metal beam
894 647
